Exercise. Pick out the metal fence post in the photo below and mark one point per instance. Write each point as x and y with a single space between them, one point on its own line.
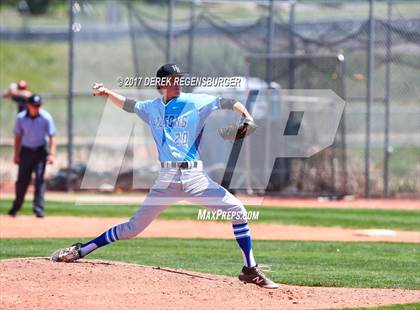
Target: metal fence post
343 94
292 47
190 56
133 40
270 33
269 79
387 102
369 97
169 33
70 97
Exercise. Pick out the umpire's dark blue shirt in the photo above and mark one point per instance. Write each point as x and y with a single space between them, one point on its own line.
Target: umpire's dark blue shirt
34 130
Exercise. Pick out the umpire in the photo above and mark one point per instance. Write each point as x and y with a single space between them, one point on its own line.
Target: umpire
34 146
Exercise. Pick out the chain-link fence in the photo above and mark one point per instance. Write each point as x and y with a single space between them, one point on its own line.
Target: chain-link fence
115 39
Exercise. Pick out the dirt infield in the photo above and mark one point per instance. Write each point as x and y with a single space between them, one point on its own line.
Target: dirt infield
67 226
90 284
137 198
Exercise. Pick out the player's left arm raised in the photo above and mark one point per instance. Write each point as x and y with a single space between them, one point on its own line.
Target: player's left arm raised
241 130
235 105
240 108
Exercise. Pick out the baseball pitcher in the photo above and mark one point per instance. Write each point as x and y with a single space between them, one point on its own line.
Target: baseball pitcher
176 121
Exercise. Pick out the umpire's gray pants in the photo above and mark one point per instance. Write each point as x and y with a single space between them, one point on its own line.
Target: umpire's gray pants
173 185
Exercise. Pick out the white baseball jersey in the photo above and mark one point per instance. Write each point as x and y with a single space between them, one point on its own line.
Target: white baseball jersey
177 128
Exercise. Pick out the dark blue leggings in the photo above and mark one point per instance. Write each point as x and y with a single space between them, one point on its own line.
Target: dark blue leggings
31 161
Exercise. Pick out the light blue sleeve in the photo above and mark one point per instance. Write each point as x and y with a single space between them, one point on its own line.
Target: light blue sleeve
206 104
141 109
51 126
18 127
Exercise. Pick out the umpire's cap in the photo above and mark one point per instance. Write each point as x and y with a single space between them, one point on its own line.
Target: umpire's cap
169 69
35 100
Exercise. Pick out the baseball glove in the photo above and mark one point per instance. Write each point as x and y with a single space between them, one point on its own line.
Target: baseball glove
238 131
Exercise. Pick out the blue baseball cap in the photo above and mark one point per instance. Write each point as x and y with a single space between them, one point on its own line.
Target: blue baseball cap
168 70
35 100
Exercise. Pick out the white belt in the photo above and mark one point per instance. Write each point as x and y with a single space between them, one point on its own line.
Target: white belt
182 164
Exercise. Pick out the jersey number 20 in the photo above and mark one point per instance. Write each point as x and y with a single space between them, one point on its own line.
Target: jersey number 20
181 138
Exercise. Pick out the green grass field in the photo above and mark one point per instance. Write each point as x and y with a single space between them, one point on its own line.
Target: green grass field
309 9
393 307
336 264
333 264
349 218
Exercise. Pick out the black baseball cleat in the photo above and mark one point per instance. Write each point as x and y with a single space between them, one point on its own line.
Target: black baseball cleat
256 276
38 212
12 213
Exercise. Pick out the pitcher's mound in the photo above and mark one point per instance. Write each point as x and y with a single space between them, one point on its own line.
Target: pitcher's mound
38 283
